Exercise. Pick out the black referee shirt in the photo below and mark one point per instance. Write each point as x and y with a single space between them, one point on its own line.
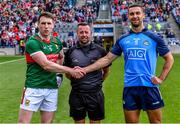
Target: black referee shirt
83 56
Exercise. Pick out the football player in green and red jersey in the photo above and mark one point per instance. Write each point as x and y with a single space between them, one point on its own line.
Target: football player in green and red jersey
43 51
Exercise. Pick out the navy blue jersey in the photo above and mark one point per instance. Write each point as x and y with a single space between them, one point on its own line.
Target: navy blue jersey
140 52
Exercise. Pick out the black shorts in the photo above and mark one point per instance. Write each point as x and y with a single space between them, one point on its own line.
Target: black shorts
146 98
90 103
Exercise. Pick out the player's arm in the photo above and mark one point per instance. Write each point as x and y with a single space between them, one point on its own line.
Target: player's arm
101 63
169 60
40 58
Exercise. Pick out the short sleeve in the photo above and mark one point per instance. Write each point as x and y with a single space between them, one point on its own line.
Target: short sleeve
32 46
117 49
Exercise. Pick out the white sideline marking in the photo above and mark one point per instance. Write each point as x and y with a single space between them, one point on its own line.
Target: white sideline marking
11 61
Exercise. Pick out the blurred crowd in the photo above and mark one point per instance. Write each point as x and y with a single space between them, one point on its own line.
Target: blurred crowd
18 18
157 14
155 10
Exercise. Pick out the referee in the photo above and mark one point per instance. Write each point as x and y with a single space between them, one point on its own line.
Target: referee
86 96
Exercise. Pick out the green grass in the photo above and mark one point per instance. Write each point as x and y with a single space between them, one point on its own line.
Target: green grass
9 58
12 76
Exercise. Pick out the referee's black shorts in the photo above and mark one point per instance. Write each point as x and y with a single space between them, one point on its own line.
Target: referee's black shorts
90 103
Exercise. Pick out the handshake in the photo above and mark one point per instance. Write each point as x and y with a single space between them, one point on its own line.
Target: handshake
77 72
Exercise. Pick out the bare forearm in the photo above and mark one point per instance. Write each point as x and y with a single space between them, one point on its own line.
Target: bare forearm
101 63
169 60
53 67
47 65
97 65
166 69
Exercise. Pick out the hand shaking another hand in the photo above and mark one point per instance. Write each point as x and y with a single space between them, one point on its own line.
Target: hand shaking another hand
77 72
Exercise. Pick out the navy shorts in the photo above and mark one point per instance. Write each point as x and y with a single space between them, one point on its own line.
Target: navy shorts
87 103
146 98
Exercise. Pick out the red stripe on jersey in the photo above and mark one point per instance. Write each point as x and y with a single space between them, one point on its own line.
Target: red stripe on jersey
29 58
22 98
52 57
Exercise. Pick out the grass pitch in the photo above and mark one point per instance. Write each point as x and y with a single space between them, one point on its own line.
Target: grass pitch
12 76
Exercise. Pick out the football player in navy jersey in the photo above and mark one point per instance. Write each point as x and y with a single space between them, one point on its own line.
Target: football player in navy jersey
141 49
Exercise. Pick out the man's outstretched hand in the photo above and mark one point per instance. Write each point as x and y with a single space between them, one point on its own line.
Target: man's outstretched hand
77 72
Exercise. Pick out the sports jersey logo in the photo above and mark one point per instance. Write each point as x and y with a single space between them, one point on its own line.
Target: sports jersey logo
146 43
27 102
136 41
136 53
49 47
75 60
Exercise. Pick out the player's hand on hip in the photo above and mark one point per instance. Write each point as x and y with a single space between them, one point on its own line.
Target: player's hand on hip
156 80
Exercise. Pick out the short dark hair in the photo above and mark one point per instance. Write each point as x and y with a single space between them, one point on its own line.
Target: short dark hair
46 14
83 24
136 5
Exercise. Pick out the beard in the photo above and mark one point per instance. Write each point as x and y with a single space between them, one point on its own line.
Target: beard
84 42
136 25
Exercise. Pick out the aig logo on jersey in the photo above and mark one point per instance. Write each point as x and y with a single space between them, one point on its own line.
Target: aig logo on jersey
136 53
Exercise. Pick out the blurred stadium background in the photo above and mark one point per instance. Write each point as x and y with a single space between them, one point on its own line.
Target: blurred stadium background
18 21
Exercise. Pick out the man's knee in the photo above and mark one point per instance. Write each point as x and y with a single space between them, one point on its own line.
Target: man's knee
155 116
47 117
25 116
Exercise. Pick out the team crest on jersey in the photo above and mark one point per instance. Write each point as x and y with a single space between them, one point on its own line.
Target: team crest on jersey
146 43
27 102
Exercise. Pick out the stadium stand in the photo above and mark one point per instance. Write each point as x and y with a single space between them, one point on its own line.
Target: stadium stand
19 17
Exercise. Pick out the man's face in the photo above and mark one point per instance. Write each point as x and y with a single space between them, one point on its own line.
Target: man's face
45 26
84 34
136 16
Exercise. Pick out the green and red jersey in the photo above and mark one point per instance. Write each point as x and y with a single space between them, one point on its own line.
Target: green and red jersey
36 76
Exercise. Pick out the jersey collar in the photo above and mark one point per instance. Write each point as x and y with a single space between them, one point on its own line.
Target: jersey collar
45 40
143 30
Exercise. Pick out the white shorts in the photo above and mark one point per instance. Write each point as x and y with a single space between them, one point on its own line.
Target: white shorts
39 99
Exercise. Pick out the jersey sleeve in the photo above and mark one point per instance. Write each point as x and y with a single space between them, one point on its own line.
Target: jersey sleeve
162 47
32 46
116 49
